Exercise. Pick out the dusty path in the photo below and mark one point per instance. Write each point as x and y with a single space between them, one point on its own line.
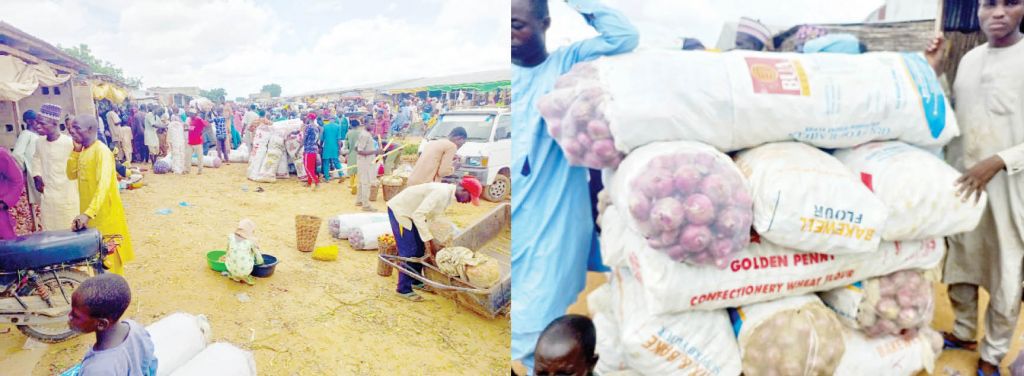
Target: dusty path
311 317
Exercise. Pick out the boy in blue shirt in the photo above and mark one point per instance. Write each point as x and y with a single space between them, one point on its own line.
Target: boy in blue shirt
122 347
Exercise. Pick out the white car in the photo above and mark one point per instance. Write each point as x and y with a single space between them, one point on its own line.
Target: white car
487 153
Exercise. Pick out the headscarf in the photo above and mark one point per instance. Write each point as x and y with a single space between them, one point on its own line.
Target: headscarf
806 33
473 186
834 43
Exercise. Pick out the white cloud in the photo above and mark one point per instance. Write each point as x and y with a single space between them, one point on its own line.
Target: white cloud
243 44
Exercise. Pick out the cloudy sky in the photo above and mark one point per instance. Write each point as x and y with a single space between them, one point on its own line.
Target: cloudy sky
302 45
662 23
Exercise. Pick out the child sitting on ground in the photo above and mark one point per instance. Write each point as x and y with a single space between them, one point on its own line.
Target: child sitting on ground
566 347
122 347
243 253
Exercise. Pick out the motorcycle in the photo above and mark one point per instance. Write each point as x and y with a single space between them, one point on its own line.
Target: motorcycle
38 273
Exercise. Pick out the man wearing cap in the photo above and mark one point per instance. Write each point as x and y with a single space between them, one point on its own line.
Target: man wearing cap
752 35
411 212
366 167
92 164
26 212
59 203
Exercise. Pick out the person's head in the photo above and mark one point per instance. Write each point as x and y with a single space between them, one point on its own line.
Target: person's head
47 127
458 136
1000 19
48 112
30 118
752 35
468 190
98 303
83 129
252 107
566 347
530 22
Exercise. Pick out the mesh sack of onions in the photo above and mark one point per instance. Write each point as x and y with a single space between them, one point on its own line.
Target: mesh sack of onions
790 336
900 304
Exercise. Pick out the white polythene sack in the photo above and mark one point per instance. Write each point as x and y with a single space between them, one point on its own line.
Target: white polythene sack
687 199
260 141
342 225
918 187
761 272
740 99
807 200
222 359
791 336
688 343
365 236
178 338
606 325
889 355
240 155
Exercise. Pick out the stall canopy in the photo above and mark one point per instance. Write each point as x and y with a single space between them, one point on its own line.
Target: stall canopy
104 90
19 80
476 81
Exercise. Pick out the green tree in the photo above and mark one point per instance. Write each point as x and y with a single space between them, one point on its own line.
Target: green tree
83 53
239 99
273 89
216 95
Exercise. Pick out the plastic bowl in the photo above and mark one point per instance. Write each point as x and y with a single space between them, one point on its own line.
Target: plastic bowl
267 269
213 259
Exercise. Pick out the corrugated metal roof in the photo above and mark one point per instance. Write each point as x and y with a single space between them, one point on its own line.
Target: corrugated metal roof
22 41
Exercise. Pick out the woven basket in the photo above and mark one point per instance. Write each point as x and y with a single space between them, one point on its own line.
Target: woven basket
390 191
410 159
383 269
374 189
306 229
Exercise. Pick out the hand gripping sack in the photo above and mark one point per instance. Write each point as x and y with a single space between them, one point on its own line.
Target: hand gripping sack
740 99
807 200
178 338
687 199
918 188
761 272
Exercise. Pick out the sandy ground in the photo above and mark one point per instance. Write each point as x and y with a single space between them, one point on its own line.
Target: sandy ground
311 317
950 362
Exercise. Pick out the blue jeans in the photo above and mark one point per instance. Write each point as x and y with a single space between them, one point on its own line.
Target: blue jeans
409 245
328 164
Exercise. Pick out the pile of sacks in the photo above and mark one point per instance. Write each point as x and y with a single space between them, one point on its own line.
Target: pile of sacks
779 257
276 149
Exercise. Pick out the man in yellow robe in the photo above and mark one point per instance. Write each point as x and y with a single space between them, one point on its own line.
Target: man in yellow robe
92 164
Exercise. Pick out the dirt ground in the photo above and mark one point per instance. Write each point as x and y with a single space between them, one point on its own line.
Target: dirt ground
950 362
311 317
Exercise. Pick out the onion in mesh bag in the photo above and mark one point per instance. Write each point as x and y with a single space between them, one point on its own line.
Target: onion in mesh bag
574 117
803 341
902 305
688 200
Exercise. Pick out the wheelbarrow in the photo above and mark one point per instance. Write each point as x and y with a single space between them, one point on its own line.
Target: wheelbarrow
488 302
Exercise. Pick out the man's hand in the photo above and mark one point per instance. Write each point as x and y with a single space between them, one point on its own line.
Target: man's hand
434 246
936 52
973 181
39 183
80 222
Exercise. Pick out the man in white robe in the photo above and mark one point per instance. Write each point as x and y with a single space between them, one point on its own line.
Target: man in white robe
989 104
59 202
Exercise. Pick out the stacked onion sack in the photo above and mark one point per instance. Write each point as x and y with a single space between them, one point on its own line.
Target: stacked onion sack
899 304
791 336
575 120
688 200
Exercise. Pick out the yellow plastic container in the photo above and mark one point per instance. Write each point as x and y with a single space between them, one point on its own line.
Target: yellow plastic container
326 253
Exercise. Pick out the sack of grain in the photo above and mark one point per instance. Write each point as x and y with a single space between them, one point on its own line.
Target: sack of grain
917 186
741 99
342 225
889 355
178 338
805 199
365 236
222 359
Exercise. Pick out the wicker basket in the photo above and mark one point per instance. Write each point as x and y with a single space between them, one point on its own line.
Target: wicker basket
410 159
306 229
383 269
390 191
374 189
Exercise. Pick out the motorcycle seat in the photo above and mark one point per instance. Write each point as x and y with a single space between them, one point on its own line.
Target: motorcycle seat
45 248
